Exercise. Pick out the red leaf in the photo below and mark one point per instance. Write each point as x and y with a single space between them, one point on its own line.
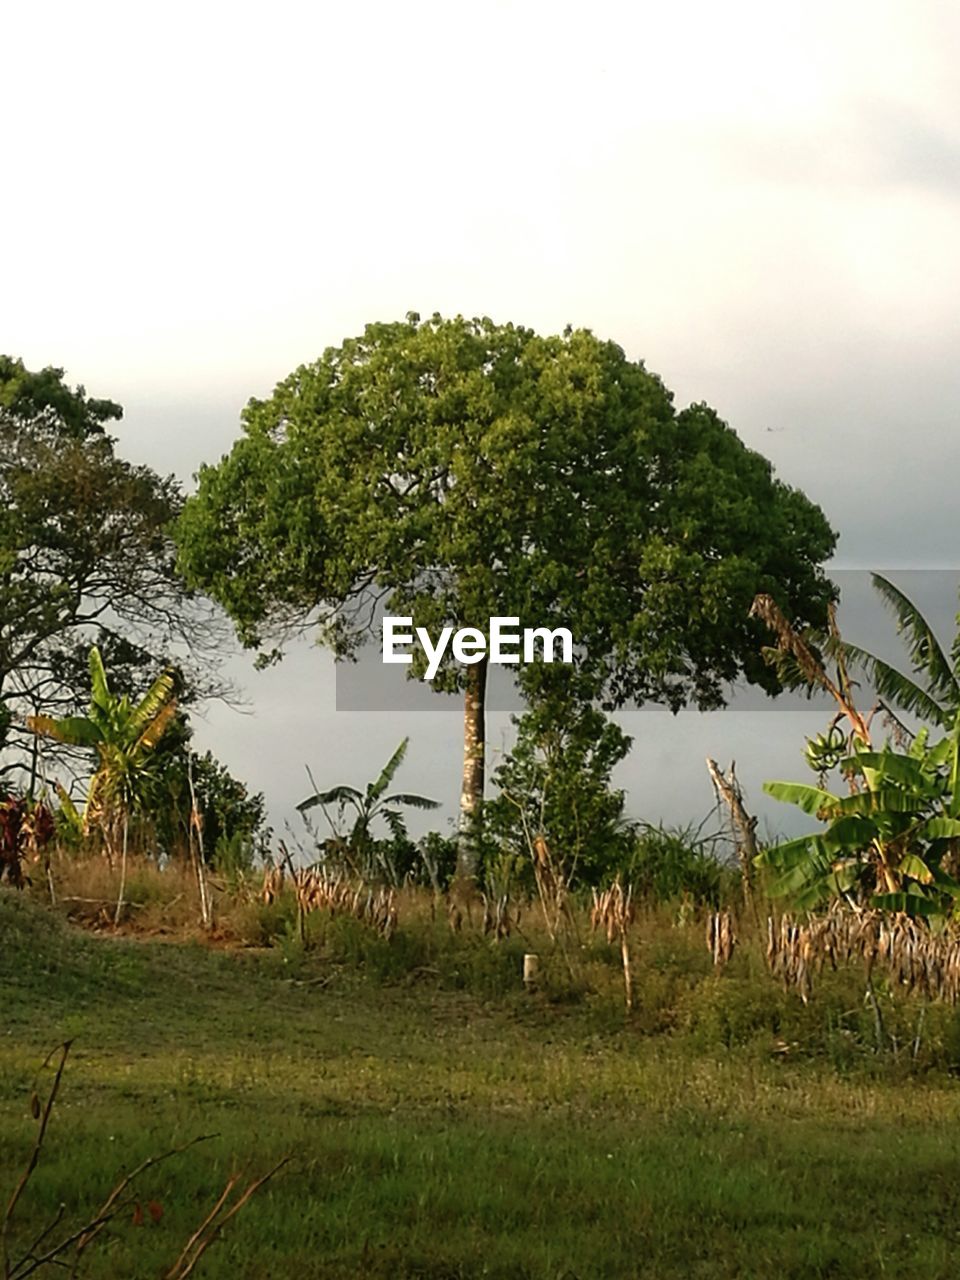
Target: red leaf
155 1210
137 1215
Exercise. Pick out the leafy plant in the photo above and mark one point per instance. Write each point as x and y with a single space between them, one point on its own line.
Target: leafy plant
556 781
124 736
892 839
669 864
194 797
26 827
933 691
369 806
86 557
437 854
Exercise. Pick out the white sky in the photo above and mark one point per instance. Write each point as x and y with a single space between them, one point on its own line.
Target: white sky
759 200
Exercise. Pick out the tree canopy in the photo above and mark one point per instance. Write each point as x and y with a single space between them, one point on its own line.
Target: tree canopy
455 469
85 555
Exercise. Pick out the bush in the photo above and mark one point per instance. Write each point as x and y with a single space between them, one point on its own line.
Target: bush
723 1011
235 854
26 827
556 782
665 865
438 859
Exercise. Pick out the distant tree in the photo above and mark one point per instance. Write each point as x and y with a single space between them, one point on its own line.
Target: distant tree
85 557
227 811
451 470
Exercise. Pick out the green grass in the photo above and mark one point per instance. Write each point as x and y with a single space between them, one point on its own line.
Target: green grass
472 1132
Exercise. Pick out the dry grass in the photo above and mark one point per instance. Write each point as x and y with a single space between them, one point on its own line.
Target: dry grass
842 985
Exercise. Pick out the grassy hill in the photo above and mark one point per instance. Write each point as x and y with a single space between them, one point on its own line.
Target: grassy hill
444 1128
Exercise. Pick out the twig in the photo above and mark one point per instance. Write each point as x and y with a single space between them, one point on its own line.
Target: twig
22 1269
89 1234
64 1050
35 1244
176 1269
182 1268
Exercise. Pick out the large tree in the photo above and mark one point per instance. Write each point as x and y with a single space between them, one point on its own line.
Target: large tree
85 557
452 470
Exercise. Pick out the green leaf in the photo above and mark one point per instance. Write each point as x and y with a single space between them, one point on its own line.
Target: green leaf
926 655
158 697
912 904
413 801
893 767
377 788
804 873
336 795
810 799
74 731
939 829
946 883
895 687
880 803
850 832
787 854
940 753
101 696
911 864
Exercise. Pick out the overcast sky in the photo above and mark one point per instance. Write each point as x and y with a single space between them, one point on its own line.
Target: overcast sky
761 201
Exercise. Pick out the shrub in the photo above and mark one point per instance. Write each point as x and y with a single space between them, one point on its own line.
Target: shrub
665 865
26 827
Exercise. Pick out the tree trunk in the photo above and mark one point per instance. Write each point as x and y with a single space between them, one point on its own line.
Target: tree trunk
744 828
471 791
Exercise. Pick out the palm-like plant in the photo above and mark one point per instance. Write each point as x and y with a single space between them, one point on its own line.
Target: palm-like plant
369 805
892 840
933 691
896 836
124 735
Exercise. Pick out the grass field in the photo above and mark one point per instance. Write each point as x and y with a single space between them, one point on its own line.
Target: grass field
456 1126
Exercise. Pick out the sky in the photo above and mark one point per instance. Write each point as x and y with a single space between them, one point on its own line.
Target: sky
760 201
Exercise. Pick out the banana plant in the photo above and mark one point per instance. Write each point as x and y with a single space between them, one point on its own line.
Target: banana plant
69 819
124 735
369 805
894 839
891 841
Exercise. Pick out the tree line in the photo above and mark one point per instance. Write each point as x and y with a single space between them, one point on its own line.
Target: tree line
448 470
